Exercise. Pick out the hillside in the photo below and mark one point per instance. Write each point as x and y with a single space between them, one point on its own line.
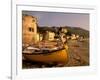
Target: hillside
77 30
71 30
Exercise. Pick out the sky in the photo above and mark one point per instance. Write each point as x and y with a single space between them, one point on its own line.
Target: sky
60 19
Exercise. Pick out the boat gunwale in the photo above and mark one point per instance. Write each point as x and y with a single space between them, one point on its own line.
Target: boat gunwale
44 53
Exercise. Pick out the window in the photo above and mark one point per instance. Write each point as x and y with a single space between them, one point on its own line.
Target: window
33 20
31 29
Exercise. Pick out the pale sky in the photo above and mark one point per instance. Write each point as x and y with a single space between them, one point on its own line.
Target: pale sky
61 19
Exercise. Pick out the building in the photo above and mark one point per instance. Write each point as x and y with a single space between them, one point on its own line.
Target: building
64 30
29 29
73 37
77 36
39 37
50 35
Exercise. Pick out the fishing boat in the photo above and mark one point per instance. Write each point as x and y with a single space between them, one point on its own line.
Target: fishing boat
46 54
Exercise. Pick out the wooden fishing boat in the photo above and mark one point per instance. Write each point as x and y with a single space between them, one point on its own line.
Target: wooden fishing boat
46 55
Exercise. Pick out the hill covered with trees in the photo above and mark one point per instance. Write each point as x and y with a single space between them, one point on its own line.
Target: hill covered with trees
71 30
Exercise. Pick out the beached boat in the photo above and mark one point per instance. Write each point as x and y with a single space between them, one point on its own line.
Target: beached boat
56 55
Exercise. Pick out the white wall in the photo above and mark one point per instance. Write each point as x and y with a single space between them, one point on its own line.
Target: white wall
5 32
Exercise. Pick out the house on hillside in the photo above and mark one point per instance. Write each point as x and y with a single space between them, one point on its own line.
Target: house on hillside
73 37
64 30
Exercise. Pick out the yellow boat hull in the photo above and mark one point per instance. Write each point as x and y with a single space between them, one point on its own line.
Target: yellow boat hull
60 56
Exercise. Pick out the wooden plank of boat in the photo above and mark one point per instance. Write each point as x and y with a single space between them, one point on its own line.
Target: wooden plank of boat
58 56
